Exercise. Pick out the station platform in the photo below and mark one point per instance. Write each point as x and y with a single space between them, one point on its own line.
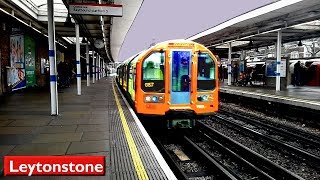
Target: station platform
99 122
300 96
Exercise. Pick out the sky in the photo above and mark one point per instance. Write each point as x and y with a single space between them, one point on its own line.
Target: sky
163 20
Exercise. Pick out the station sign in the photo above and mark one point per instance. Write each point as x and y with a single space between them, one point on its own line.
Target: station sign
96 9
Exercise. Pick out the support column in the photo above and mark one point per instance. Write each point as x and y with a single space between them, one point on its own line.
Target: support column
103 68
97 65
229 64
99 68
87 62
52 60
93 68
278 83
78 59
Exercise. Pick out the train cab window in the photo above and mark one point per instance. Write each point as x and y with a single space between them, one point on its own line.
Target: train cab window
153 72
206 73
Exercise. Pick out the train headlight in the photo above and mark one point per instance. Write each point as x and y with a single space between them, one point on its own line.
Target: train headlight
154 99
204 98
148 99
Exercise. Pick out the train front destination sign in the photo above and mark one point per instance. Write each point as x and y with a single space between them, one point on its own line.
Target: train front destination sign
96 9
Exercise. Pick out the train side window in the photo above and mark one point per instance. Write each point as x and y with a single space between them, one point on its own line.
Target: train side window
153 72
134 78
206 73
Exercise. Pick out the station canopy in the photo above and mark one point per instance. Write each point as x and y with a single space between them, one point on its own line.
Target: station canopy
297 19
112 30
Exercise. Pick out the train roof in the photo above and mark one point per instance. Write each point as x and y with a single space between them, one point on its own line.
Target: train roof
159 45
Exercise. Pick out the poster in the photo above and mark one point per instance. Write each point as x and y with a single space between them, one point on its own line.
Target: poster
241 66
16 72
271 68
29 49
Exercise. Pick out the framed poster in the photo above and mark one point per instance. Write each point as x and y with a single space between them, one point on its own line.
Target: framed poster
16 72
271 67
29 49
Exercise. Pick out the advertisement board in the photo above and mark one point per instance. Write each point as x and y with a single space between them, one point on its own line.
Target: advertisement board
271 68
29 49
16 71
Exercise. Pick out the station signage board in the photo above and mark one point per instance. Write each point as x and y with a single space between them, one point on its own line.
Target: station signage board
96 9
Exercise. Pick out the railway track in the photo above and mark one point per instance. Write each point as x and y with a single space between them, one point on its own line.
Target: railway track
305 136
289 138
283 157
189 161
257 165
217 156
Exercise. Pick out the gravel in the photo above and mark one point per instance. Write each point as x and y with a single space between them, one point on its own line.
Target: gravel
188 166
202 178
236 108
281 158
275 135
227 161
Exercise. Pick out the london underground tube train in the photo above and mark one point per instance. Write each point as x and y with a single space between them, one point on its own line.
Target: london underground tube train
171 77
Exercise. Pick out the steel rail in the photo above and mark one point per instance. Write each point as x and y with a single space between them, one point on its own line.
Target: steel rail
171 162
308 137
260 161
256 170
223 170
296 150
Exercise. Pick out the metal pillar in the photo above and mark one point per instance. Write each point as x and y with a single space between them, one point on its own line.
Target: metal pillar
103 68
93 68
87 62
229 64
78 59
278 83
52 59
97 65
99 68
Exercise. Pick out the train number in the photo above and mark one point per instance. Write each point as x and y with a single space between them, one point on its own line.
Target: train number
150 84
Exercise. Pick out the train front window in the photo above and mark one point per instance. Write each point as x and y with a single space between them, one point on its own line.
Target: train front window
206 73
153 72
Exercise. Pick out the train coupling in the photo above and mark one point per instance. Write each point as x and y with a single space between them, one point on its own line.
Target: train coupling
180 123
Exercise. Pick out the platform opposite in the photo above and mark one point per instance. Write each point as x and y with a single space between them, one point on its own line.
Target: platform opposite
307 97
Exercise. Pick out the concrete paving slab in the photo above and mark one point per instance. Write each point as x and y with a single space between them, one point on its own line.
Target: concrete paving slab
60 137
58 129
5 149
18 130
13 139
93 121
5 122
30 122
88 127
93 136
25 117
65 122
41 149
88 147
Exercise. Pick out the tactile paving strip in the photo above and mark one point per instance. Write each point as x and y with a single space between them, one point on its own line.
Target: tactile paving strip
121 161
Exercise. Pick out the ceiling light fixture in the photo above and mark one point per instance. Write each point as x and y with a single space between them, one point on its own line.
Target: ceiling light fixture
250 43
68 22
83 40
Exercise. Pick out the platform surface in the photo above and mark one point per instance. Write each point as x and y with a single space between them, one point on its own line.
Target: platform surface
304 96
89 124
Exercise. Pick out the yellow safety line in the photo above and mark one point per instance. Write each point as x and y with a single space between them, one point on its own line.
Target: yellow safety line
142 174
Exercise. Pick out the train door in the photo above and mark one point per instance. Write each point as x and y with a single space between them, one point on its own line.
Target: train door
180 76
